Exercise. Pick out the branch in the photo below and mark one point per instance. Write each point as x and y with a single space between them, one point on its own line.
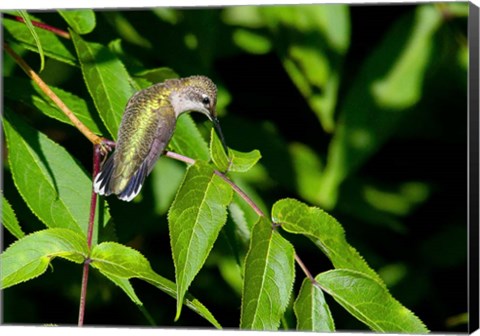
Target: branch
95 139
97 153
41 25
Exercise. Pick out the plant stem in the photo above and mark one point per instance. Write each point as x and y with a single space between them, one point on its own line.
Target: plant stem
95 139
41 25
97 152
93 203
239 191
304 269
83 294
179 157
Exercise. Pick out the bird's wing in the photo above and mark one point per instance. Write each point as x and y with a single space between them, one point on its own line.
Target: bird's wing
144 134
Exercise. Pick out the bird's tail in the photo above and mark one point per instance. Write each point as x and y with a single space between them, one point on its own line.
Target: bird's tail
105 184
101 185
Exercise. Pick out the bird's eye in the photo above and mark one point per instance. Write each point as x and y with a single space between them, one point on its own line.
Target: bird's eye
206 100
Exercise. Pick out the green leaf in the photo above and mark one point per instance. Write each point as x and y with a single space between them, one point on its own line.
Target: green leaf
250 214
107 81
117 261
245 16
53 46
251 41
195 219
308 170
9 220
166 177
126 30
455 9
369 302
25 91
324 230
236 161
32 30
311 41
81 20
242 230
125 285
52 183
187 139
389 82
243 218
311 310
157 75
29 257
269 276
142 77
121 261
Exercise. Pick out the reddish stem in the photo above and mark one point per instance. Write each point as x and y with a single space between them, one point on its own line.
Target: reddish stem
97 153
83 295
41 25
93 202
239 191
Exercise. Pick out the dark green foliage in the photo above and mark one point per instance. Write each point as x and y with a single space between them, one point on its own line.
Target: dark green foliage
349 138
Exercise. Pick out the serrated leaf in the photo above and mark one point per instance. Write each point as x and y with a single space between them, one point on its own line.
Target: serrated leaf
242 229
25 91
125 285
268 280
29 257
250 214
369 302
324 230
107 81
31 28
81 20
388 84
238 230
53 46
122 262
9 220
62 189
195 219
119 260
311 310
235 161
187 139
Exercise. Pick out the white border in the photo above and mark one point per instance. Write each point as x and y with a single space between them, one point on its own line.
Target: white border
124 331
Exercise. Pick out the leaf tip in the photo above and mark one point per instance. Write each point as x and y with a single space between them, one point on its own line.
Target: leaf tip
179 310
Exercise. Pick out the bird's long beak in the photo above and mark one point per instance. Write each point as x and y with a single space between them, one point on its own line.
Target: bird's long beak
218 130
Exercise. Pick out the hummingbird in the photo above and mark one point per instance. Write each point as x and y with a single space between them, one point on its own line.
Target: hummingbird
146 128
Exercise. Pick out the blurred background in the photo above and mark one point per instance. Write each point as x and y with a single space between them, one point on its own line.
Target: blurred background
360 110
